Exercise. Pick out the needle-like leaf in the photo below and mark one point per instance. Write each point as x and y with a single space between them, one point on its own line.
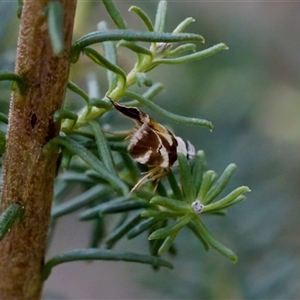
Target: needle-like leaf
100 254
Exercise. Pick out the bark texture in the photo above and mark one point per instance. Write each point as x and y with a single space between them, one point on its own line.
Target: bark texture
28 174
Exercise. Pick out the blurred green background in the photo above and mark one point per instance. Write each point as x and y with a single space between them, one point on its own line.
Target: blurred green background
251 94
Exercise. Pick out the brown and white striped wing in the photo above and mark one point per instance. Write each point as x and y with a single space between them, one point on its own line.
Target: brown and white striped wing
148 147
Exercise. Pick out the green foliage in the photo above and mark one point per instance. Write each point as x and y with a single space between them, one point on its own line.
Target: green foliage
101 254
55 20
98 160
17 81
2 142
13 213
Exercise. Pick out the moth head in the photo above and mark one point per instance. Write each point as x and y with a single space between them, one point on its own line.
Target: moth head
131 112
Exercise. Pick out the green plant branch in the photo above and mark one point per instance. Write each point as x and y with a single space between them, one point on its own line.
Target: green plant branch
55 15
4 75
161 16
115 14
189 194
99 254
130 35
13 213
191 57
146 20
3 118
168 115
90 159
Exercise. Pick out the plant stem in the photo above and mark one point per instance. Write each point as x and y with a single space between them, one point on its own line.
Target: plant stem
29 174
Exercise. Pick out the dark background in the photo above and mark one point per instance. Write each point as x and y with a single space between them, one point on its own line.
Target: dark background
251 94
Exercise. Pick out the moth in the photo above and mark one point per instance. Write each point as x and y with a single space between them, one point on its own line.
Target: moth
151 144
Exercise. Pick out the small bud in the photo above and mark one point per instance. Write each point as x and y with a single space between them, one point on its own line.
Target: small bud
160 47
197 206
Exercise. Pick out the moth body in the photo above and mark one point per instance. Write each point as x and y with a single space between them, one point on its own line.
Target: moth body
151 144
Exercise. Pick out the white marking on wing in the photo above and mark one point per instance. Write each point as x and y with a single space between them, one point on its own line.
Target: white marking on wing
143 159
187 149
181 147
191 151
168 136
165 155
137 136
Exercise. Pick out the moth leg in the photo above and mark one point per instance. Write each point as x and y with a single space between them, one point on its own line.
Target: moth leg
148 177
141 182
154 174
162 173
157 177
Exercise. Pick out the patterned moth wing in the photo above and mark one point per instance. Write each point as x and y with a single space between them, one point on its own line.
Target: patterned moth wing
152 144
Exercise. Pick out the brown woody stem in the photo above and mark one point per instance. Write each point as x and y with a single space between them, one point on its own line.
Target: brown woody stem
28 174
